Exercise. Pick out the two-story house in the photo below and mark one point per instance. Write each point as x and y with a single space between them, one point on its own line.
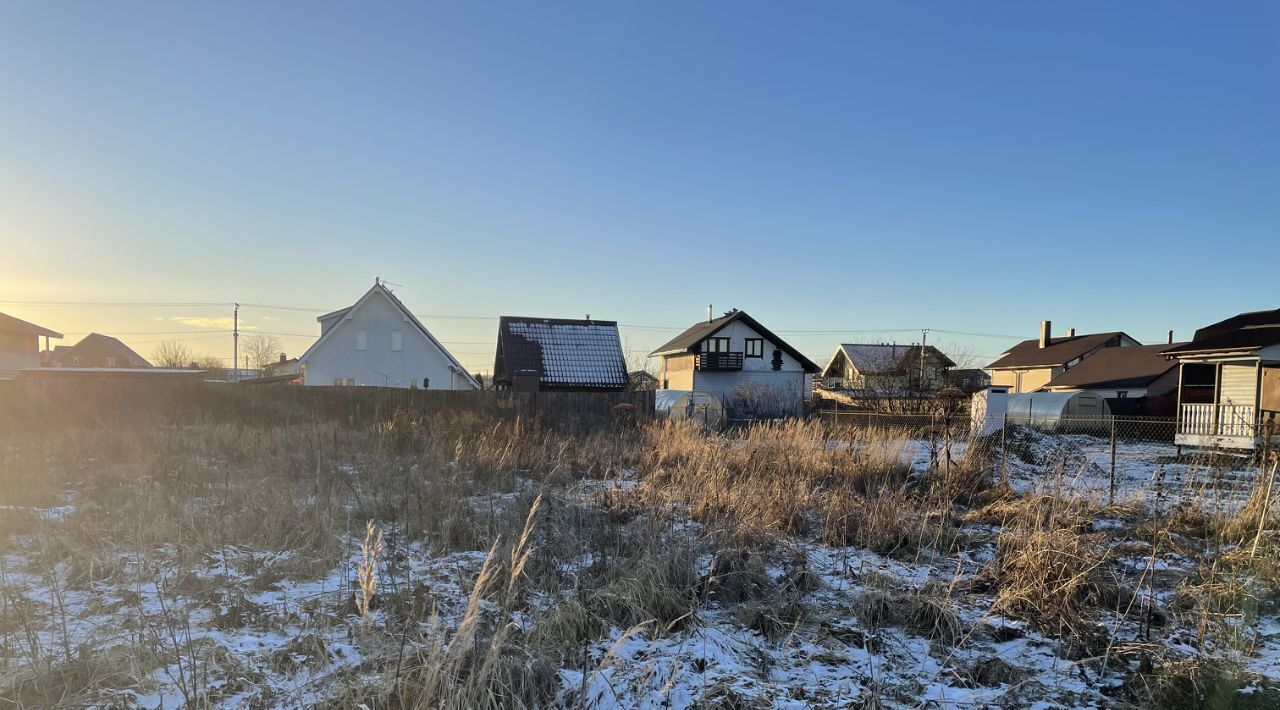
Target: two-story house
378 342
739 361
1030 365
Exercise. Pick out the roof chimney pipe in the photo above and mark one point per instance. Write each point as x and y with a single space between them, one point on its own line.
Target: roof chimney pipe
1046 327
1071 332
1170 341
708 312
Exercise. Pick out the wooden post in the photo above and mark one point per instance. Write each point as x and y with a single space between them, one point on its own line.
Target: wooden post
1111 498
1004 452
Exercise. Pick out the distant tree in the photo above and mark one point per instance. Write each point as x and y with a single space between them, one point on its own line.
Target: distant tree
260 351
172 354
207 362
480 380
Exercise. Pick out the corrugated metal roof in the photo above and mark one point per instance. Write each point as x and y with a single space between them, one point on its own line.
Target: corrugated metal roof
564 353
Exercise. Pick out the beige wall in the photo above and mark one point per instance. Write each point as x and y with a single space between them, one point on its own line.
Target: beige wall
676 373
1028 380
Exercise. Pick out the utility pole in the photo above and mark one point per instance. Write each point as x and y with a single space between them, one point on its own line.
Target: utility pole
924 338
235 339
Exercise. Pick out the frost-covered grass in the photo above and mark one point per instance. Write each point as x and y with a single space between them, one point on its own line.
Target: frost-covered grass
788 565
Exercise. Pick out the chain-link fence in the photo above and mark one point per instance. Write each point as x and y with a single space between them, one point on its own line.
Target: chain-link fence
1105 459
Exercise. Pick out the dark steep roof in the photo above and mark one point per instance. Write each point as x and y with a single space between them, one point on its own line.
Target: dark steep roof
113 344
1247 331
1134 366
1060 351
10 323
564 353
691 337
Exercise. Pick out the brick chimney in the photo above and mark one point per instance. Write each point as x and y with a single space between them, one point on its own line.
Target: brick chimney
1046 327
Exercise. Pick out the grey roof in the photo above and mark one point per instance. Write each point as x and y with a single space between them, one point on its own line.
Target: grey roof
695 334
1060 351
888 359
12 324
563 353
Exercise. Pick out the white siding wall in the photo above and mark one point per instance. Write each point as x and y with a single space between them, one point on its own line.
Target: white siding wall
1239 385
787 387
378 365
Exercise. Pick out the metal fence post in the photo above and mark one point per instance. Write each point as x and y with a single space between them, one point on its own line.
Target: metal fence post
1004 451
1111 498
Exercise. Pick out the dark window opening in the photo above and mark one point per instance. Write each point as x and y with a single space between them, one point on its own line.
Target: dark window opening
717 345
754 347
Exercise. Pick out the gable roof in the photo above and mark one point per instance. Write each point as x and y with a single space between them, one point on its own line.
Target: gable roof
1246 331
1133 366
18 325
562 352
379 289
692 336
887 359
1060 351
113 344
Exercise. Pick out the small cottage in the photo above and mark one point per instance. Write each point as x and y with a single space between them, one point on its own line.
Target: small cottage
559 355
100 351
887 370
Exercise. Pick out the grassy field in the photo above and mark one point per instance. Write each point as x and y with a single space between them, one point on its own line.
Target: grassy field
464 562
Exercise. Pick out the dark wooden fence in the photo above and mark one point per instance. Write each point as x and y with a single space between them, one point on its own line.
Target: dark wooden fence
83 402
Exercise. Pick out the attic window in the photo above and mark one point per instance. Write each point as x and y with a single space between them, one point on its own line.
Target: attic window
362 340
397 341
755 347
111 361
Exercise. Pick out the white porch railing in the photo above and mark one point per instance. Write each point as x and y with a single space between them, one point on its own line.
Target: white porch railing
1233 420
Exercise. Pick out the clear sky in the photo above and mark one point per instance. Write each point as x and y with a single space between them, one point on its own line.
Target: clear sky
849 166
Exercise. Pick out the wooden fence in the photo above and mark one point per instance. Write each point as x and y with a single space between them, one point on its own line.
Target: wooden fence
84 402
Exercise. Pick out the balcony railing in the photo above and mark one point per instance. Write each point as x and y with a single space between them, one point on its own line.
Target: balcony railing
1232 420
718 362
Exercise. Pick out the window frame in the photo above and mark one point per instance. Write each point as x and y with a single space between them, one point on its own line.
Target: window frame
725 340
362 340
397 341
746 347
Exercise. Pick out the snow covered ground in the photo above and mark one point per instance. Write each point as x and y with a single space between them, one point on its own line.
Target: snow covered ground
227 632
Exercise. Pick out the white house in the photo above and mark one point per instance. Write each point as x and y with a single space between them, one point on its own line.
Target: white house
737 360
378 342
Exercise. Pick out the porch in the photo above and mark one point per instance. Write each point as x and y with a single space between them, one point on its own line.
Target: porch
1228 426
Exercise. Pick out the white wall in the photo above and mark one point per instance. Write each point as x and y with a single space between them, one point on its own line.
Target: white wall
738 332
378 365
789 385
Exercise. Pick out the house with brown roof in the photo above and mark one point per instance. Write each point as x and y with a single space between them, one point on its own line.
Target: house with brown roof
100 351
1136 380
734 358
1032 364
559 355
1229 382
887 369
20 343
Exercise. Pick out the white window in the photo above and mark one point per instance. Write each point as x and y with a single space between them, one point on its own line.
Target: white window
111 361
397 341
362 340
75 360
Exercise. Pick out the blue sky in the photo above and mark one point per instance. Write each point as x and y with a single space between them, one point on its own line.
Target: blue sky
829 166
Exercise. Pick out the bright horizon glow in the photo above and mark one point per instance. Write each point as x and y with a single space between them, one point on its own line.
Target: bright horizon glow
975 167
